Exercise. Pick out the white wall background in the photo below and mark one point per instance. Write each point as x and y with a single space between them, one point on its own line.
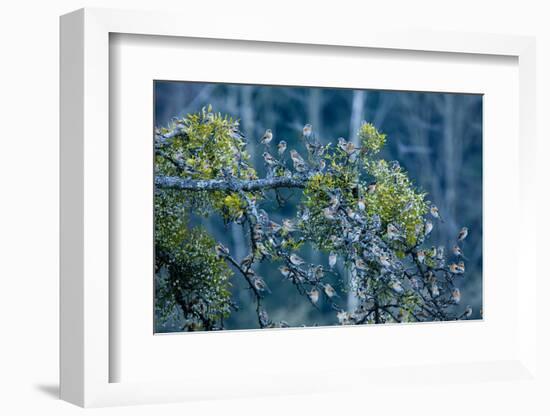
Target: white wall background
29 205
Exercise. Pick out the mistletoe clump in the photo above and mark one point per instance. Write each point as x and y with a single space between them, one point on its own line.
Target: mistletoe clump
362 211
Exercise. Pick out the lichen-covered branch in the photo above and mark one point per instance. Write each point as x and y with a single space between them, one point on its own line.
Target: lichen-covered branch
250 185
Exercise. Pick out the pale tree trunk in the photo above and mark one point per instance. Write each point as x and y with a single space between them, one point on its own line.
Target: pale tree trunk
357 116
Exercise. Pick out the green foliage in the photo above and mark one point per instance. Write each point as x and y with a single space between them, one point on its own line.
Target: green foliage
206 145
395 199
371 138
189 274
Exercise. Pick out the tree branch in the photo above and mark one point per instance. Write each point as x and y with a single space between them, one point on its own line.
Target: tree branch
175 182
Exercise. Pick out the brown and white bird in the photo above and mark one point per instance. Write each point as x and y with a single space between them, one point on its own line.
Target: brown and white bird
361 204
313 295
332 257
329 290
318 272
281 147
360 264
288 226
468 312
307 130
267 137
421 256
457 251
343 317
347 147
221 250
456 269
285 270
435 212
392 231
384 260
434 289
329 213
296 260
396 286
259 284
371 188
270 160
463 233
428 227
455 295
247 261
298 162
273 227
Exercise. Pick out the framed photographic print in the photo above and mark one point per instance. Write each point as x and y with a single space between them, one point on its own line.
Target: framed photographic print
297 222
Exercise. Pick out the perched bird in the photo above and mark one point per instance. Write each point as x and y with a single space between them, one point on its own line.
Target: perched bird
296 260
384 260
456 269
285 270
305 215
307 130
270 160
267 137
455 295
468 312
342 143
440 253
463 233
259 284
421 256
247 261
415 283
298 162
273 227
392 231
408 206
318 272
396 286
328 213
332 257
334 202
428 227
329 290
457 251
361 204
360 264
435 290
221 250
281 147
343 317
263 317
431 278
288 226
461 267
313 295
322 164
347 147
435 212
263 216
371 188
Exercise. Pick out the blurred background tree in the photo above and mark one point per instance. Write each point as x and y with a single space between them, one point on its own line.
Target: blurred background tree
436 137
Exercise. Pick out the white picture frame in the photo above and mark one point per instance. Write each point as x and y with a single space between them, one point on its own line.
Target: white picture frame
86 354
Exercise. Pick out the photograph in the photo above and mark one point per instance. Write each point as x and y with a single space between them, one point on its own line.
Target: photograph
307 206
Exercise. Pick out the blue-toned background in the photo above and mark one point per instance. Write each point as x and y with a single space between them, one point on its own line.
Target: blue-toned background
436 137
